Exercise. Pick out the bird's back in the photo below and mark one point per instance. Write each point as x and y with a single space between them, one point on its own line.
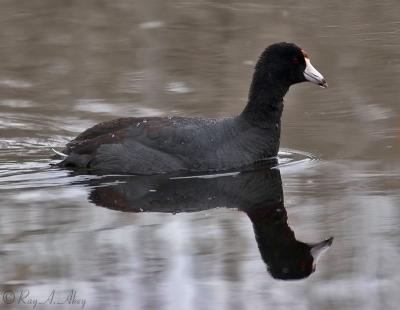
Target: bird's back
148 145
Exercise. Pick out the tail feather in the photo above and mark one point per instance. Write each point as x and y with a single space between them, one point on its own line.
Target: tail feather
59 153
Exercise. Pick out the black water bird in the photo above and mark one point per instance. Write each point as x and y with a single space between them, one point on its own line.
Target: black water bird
153 145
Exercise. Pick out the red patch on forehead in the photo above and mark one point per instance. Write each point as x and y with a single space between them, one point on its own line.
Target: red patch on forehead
304 53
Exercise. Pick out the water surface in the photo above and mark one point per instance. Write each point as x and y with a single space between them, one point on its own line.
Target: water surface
68 65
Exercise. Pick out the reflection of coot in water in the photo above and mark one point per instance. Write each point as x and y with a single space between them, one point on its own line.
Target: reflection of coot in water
286 257
257 193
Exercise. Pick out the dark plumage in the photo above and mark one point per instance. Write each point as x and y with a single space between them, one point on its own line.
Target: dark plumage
160 145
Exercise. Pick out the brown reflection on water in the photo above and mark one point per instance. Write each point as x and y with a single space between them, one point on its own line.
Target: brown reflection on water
66 65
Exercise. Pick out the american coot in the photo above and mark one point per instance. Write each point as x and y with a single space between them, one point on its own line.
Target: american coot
153 145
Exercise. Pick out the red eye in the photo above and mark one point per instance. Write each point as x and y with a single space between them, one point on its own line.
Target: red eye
295 61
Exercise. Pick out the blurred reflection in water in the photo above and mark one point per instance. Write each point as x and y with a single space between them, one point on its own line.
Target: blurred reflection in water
258 193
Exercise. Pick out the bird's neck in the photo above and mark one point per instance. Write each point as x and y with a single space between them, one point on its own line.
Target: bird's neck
265 103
